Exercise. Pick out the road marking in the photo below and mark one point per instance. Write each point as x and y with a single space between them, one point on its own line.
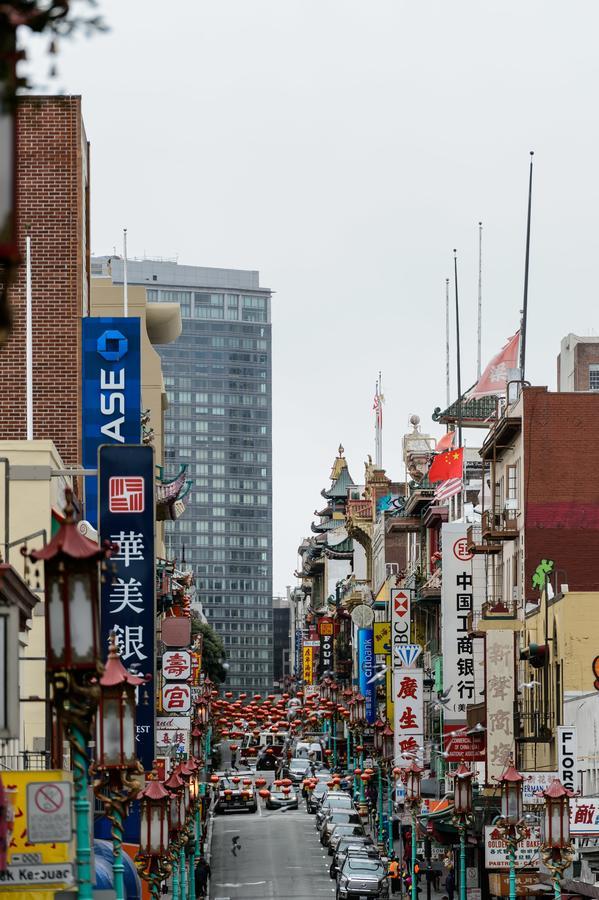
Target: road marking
241 884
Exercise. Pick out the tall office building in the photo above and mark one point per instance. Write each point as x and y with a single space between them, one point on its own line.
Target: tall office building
219 422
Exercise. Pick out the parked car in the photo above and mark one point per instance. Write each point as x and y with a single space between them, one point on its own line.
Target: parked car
333 800
345 847
337 819
280 800
360 878
234 796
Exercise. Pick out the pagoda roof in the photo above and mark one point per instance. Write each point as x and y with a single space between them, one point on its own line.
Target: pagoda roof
340 485
473 413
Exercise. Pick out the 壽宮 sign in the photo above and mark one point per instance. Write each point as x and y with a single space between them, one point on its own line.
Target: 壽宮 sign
176 665
176 697
497 853
126 495
49 812
111 393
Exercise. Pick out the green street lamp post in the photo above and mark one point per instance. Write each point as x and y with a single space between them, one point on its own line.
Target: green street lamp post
378 749
153 861
117 764
556 849
511 824
176 820
71 578
414 799
462 817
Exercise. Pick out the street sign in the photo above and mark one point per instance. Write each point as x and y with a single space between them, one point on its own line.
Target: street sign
50 873
567 756
533 784
49 812
584 815
176 665
366 671
172 738
111 393
176 697
497 853
126 502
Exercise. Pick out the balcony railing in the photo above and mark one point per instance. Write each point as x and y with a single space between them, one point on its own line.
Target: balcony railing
475 542
25 760
500 526
534 727
360 509
498 608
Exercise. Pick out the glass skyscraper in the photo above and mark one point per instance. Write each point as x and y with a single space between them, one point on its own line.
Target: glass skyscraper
219 422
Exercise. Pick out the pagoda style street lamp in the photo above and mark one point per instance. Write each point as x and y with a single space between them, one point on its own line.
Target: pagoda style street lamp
116 757
188 773
358 720
387 753
347 697
177 835
413 800
511 825
556 849
153 859
71 580
378 729
462 816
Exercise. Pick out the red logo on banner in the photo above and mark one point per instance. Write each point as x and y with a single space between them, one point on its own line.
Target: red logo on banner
126 494
401 603
460 550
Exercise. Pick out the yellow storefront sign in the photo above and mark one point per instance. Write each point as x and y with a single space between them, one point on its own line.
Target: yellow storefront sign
37 860
308 667
382 637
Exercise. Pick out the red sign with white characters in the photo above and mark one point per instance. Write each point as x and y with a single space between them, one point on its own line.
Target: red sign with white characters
176 698
126 495
176 665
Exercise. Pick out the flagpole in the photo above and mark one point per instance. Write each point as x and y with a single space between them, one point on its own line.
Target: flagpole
457 336
526 264
29 341
480 300
447 375
125 294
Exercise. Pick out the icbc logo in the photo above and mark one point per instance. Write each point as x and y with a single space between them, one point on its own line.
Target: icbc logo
460 550
126 494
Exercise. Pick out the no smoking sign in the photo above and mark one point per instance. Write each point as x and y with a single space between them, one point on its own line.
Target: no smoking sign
49 812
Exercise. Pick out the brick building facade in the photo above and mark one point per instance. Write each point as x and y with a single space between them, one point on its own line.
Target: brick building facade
53 207
578 364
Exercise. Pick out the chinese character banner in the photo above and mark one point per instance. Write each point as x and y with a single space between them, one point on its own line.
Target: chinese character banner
128 608
408 713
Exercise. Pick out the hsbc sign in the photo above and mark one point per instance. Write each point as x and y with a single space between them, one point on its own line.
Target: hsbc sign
401 616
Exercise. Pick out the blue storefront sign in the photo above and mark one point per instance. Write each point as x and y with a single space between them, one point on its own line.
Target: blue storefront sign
111 393
366 671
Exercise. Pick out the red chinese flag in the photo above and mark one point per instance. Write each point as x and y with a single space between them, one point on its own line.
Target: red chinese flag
447 465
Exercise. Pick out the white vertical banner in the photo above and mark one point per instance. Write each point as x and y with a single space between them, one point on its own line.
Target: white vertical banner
500 692
458 602
401 617
408 712
567 756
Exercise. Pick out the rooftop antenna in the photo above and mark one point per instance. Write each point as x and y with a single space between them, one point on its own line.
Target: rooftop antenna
457 337
378 422
480 300
125 296
447 375
526 263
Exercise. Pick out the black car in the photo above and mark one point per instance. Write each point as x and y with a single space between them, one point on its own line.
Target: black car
352 847
362 879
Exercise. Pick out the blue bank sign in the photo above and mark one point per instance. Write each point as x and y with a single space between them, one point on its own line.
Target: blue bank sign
111 384
366 671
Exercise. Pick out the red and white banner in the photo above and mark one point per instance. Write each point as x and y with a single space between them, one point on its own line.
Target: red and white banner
408 714
401 615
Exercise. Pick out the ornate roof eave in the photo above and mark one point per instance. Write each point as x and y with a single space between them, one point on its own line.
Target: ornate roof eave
476 413
325 513
338 554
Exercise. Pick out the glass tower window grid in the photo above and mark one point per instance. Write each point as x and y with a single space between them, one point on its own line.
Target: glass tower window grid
211 369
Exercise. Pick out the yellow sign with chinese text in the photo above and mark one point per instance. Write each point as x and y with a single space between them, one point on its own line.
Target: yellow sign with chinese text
382 637
308 665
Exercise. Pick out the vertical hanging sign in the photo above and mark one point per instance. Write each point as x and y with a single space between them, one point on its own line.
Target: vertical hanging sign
401 613
408 713
128 608
567 756
326 629
366 671
111 393
457 603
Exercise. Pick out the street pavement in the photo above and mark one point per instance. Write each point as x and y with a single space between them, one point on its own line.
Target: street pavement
280 857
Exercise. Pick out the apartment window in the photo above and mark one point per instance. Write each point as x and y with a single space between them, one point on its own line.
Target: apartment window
512 483
594 378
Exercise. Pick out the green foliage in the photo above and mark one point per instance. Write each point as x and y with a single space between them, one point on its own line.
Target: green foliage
213 650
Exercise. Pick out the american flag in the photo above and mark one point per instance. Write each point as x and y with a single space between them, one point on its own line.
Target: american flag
449 488
378 405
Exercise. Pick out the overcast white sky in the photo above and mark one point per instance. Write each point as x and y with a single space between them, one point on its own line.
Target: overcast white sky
343 148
